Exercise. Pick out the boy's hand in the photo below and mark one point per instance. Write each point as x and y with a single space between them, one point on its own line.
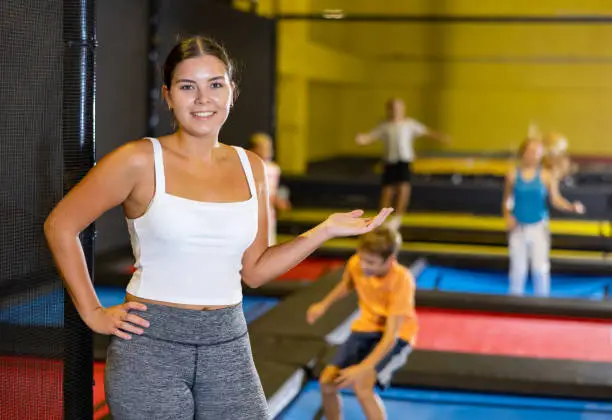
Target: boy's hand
351 375
362 139
314 312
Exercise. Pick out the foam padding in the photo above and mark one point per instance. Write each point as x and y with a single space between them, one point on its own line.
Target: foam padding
288 319
277 289
296 352
578 308
561 259
492 333
513 375
463 165
281 383
451 221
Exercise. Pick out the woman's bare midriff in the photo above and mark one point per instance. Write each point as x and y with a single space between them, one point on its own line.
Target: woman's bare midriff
132 298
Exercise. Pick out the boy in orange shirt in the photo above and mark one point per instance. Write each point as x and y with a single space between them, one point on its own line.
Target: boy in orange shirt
382 337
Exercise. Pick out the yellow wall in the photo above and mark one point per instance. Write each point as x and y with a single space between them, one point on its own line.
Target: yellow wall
484 84
480 83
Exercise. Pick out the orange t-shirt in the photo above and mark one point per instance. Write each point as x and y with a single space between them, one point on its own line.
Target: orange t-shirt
381 297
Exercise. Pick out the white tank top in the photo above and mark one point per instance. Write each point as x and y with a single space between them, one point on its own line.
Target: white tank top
188 251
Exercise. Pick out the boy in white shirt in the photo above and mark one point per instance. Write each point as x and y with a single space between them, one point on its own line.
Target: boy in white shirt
397 133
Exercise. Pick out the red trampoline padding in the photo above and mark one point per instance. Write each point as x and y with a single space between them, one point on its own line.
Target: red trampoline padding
31 388
100 407
519 336
311 269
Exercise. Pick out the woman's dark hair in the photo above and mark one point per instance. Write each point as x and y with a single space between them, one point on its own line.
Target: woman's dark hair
196 46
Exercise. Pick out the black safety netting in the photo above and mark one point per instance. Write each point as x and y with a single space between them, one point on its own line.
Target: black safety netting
39 135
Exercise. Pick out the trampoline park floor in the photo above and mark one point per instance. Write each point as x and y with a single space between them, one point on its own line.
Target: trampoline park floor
424 404
454 331
459 332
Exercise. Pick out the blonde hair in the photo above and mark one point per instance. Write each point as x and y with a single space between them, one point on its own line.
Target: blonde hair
259 138
383 241
525 144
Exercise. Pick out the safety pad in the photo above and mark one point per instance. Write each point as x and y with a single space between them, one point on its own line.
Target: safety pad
281 383
298 352
580 308
277 289
513 375
464 235
288 318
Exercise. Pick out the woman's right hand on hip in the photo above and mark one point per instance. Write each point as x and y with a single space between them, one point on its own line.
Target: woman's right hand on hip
117 320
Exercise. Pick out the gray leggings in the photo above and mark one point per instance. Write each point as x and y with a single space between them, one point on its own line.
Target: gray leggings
187 365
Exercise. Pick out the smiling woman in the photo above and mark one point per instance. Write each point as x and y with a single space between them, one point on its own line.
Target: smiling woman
197 213
186 80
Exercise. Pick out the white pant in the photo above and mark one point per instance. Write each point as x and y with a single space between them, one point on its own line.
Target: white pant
530 243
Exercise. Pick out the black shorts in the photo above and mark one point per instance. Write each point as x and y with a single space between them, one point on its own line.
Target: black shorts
360 344
396 173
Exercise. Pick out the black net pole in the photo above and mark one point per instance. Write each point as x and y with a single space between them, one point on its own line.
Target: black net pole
154 77
79 156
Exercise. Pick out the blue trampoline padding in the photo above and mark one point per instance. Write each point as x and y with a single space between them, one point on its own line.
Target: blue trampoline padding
427 279
416 404
495 282
110 296
45 310
256 306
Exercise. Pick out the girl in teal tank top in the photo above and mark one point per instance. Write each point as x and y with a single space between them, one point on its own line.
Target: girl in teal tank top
527 192
530 198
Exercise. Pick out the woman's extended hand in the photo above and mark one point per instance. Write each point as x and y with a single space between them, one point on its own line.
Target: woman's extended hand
352 224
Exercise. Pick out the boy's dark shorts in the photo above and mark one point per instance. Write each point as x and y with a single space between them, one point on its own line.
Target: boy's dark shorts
360 344
397 173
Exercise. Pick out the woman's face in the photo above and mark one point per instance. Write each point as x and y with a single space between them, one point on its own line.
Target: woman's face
533 153
201 95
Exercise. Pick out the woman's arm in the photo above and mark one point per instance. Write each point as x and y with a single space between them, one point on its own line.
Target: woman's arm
507 201
556 199
107 185
262 263
507 197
